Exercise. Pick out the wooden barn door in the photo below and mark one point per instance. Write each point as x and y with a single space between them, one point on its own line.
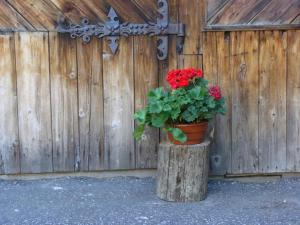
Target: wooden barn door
68 105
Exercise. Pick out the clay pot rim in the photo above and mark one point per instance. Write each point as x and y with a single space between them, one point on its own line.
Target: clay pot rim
190 124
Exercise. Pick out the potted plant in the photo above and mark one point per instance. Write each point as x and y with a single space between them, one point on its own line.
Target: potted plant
184 109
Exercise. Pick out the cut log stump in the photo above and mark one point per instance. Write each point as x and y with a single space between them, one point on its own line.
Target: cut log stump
182 172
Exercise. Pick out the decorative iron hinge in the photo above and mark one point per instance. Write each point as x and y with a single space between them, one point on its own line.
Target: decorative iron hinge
112 29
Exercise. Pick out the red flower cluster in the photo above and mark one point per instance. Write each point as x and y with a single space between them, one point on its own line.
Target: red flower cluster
182 78
215 92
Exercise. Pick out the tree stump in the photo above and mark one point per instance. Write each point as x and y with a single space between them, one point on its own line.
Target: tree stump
182 172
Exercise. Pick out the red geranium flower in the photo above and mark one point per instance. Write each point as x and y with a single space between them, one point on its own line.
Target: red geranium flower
182 77
215 92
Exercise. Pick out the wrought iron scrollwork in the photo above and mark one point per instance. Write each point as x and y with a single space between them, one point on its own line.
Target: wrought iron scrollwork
112 29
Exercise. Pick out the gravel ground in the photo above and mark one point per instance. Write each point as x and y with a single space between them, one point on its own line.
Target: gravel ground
133 201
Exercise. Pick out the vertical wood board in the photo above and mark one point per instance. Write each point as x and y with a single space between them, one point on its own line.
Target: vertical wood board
244 61
118 84
9 132
64 99
191 14
90 97
221 147
272 101
293 102
145 78
34 113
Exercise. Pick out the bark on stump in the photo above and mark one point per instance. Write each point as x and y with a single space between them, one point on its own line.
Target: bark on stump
182 172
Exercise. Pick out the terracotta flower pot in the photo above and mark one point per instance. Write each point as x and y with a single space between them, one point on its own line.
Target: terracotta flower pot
195 133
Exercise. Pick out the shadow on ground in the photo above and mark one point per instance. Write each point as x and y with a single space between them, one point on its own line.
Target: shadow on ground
133 201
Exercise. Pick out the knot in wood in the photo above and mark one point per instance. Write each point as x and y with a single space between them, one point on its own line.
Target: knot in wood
72 75
81 113
243 71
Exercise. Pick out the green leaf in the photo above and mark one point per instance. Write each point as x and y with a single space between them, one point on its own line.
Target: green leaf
178 135
156 94
167 108
211 103
140 115
175 113
155 107
138 132
195 93
158 120
190 114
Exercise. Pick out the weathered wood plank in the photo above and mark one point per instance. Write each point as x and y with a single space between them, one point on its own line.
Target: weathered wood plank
293 102
148 8
145 78
128 11
213 6
34 113
75 10
190 61
64 99
272 99
272 12
210 56
244 64
290 14
9 132
90 97
253 15
42 15
192 14
11 20
217 71
220 153
296 20
238 12
118 81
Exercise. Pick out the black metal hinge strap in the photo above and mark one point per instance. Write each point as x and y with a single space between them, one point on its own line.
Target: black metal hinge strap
112 29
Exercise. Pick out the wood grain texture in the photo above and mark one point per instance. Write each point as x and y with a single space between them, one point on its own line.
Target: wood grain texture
290 14
277 9
118 81
238 12
244 61
210 57
217 69
213 6
9 132
293 102
90 97
75 10
182 172
190 16
190 61
296 20
128 10
42 15
145 78
64 99
252 14
148 8
34 113
221 147
11 20
272 101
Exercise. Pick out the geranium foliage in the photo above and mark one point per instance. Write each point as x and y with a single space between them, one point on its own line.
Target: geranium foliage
190 100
